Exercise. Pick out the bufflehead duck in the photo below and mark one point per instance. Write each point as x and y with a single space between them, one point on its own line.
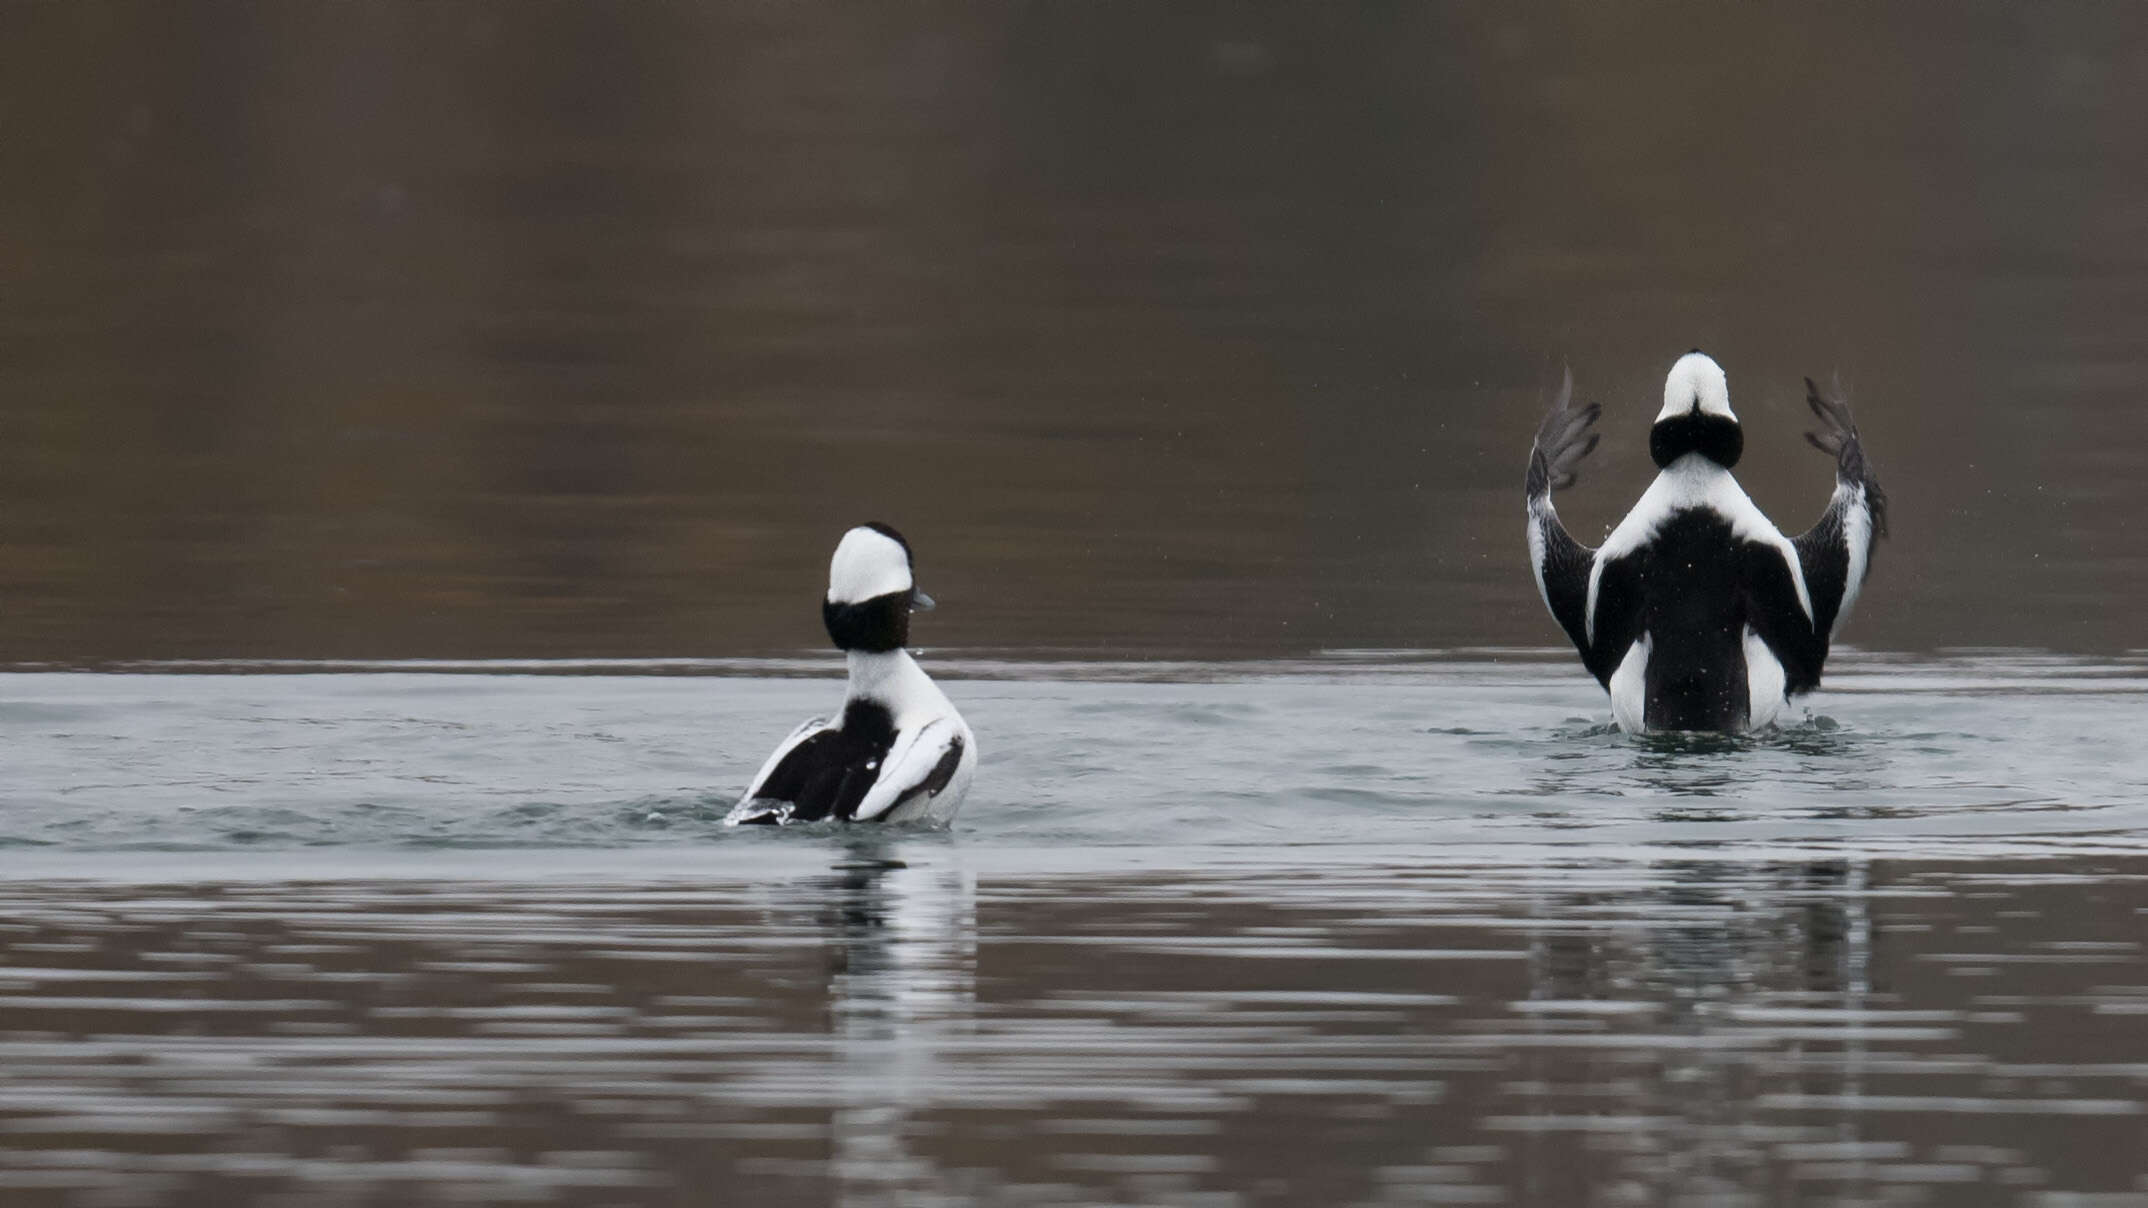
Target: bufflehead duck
1696 613
898 751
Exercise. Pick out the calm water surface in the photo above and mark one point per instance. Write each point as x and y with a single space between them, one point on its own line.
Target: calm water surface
1368 928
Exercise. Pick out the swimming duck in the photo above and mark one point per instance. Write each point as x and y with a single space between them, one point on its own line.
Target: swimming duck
897 751
1696 613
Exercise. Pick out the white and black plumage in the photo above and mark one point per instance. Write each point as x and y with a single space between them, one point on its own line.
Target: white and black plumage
1696 613
898 751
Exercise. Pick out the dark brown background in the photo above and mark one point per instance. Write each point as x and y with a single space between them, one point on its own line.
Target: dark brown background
580 329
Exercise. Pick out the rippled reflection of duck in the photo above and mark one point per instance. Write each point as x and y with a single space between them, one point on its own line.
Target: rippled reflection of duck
902 943
1697 613
898 751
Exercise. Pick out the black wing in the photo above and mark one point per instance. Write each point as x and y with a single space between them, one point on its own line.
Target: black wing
820 771
824 776
1776 612
1620 589
1829 560
1561 563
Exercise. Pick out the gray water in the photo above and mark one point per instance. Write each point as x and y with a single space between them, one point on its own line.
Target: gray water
1363 747
1363 928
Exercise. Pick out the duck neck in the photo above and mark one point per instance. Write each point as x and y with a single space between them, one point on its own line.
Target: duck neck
1715 437
881 673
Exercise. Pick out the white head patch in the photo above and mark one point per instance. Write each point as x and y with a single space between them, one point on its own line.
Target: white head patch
867 563
1696 376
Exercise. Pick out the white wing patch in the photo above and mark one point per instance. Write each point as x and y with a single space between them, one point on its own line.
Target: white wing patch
1629 688
1596 578
1857 532
915 754
1536 549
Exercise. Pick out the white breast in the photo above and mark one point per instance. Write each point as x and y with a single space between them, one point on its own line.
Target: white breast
1629 689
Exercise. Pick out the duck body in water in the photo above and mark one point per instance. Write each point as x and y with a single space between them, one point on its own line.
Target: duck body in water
897 751
1696 613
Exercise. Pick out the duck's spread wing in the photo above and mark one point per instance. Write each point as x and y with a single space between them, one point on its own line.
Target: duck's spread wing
1562 565
763 801
922 761
1801 591
1613 611
1836 553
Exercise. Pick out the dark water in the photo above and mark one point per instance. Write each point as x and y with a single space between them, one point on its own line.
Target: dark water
919 1023
574 329
1197 349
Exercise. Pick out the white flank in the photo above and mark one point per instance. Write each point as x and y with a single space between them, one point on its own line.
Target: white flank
1629 689
925 724
1764 680
910 761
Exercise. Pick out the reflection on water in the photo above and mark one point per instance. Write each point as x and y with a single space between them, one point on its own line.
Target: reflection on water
913 1022
903 973
1372 928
